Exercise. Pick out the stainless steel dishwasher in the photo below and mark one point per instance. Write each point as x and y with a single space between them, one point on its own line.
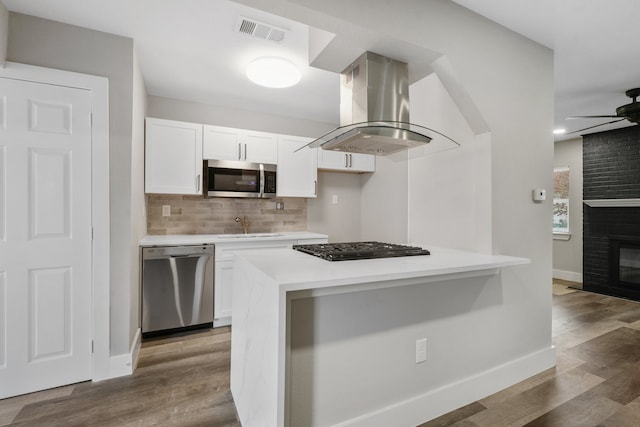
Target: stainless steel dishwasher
177 288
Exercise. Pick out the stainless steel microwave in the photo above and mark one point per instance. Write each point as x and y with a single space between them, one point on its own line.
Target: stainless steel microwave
227 178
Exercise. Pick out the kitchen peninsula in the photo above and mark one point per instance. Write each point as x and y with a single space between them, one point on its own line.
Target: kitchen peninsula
319 343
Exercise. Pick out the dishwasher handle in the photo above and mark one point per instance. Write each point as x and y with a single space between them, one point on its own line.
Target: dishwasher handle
177 251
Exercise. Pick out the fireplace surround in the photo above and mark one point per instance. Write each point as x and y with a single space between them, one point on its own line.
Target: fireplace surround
611 212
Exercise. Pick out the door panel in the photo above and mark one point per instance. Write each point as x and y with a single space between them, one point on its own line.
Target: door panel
45 245
50 117
3 201
49 193
49 313
3 320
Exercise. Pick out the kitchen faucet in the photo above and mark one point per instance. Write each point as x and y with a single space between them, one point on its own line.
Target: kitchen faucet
244 222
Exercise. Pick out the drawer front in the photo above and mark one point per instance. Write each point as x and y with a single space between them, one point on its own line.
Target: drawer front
224 251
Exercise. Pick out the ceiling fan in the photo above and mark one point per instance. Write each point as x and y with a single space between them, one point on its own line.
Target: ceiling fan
629 112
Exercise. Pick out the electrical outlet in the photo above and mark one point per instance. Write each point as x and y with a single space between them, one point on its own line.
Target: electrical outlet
421 350
166 210
279 206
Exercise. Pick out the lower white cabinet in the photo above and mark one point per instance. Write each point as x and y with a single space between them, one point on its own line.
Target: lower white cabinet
222 292
223 275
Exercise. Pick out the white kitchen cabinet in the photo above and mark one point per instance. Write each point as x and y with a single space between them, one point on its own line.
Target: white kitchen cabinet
260 147
222 291
223 275
223 143
297 171
173 157
345 162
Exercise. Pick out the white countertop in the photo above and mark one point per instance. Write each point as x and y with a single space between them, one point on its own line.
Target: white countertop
199 239
294 270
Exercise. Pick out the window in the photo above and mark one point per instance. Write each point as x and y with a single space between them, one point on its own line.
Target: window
561 200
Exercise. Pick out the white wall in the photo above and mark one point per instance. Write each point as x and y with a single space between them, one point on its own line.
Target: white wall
4 32
449 191
567 254
175 109
341 221
384 197
138 207
46 43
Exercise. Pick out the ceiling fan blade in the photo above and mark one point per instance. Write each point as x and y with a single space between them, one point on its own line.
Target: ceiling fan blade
592 117
591 127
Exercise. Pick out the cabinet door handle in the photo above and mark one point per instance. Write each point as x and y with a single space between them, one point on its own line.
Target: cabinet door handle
239 151
245 151
198 183
346 160
315 187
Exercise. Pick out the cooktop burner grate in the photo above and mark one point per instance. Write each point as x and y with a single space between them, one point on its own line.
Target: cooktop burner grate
359 250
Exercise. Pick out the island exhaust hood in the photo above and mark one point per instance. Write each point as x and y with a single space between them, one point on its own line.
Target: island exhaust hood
374 110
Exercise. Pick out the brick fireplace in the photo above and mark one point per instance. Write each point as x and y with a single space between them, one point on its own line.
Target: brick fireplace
611 212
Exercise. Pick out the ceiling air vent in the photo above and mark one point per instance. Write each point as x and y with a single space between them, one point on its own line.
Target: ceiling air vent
261 30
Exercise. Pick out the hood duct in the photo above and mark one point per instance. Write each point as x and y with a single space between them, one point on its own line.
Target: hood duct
374 110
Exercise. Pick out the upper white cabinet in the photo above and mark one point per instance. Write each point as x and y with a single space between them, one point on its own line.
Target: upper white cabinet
346 162
222 143
173 157
297 171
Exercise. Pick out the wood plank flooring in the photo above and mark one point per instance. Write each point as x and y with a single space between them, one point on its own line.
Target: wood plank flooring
597 378
179 381
184 381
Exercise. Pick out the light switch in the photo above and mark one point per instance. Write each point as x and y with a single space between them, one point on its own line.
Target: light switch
334 199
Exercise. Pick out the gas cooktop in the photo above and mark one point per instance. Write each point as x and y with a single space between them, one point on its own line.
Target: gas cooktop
359 250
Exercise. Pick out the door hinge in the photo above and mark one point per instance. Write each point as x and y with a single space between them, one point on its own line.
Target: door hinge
91 115
91 346
92 234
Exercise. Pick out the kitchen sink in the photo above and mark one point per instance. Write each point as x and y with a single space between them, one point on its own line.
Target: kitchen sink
245 236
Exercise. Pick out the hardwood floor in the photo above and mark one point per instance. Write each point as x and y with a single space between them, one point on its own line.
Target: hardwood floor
184 381
180 381
597 378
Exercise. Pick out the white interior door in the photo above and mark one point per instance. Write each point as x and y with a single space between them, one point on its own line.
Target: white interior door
45 236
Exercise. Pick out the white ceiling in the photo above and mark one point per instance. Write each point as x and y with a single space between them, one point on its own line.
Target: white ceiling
191 50
596 51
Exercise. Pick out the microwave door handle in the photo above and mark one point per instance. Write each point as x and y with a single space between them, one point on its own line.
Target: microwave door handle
261 182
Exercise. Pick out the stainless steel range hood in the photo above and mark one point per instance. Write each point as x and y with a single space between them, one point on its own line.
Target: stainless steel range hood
374 110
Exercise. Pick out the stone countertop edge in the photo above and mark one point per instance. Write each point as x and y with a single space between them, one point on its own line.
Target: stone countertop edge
292 270
200 239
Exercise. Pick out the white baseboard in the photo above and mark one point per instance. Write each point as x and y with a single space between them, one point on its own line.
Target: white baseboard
124 364
567 275
135 349
419 409
223 321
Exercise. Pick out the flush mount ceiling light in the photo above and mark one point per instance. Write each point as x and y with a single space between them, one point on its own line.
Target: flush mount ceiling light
273 72
559 131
